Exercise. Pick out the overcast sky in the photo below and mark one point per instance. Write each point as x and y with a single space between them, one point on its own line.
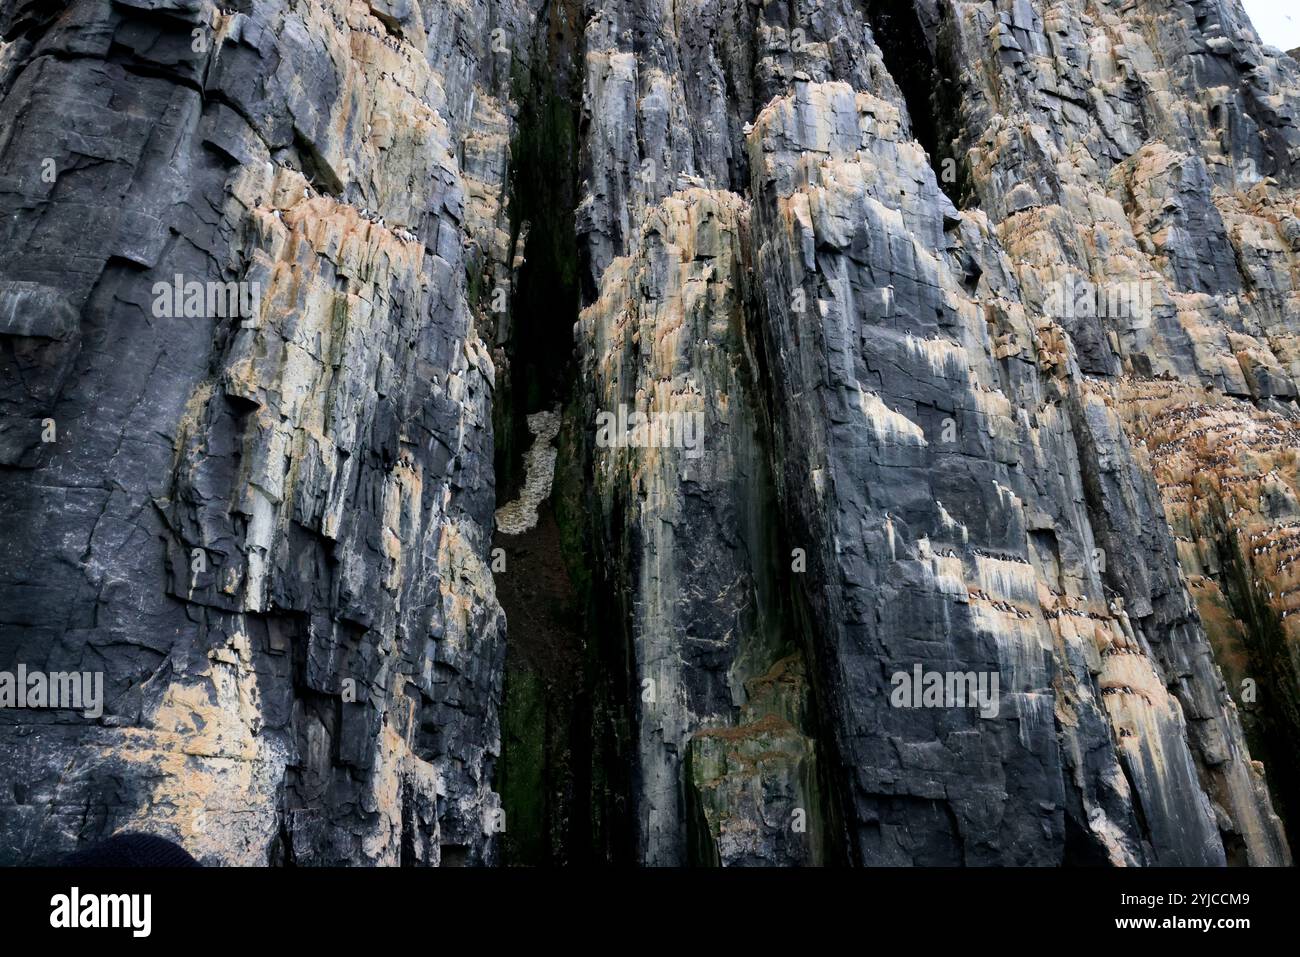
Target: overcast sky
1278 21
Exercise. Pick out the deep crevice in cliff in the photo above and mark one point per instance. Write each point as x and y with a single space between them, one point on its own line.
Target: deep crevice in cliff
543 191
562 774
919 63
1271 713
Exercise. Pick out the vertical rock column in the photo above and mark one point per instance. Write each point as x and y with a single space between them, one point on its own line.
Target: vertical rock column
725 765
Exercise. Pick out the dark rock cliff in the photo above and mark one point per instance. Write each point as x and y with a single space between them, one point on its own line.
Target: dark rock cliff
975 323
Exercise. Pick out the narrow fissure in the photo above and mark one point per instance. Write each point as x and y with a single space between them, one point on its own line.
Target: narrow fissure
918 58
1271 712
562 773
543 196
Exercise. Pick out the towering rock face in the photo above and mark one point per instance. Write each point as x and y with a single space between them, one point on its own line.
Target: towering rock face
916 341
957 450
267 526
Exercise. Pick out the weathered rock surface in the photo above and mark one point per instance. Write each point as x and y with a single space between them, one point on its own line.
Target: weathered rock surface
268 531
969 499
666 341
832 249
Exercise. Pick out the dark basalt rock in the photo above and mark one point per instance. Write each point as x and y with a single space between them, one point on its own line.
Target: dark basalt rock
833 237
